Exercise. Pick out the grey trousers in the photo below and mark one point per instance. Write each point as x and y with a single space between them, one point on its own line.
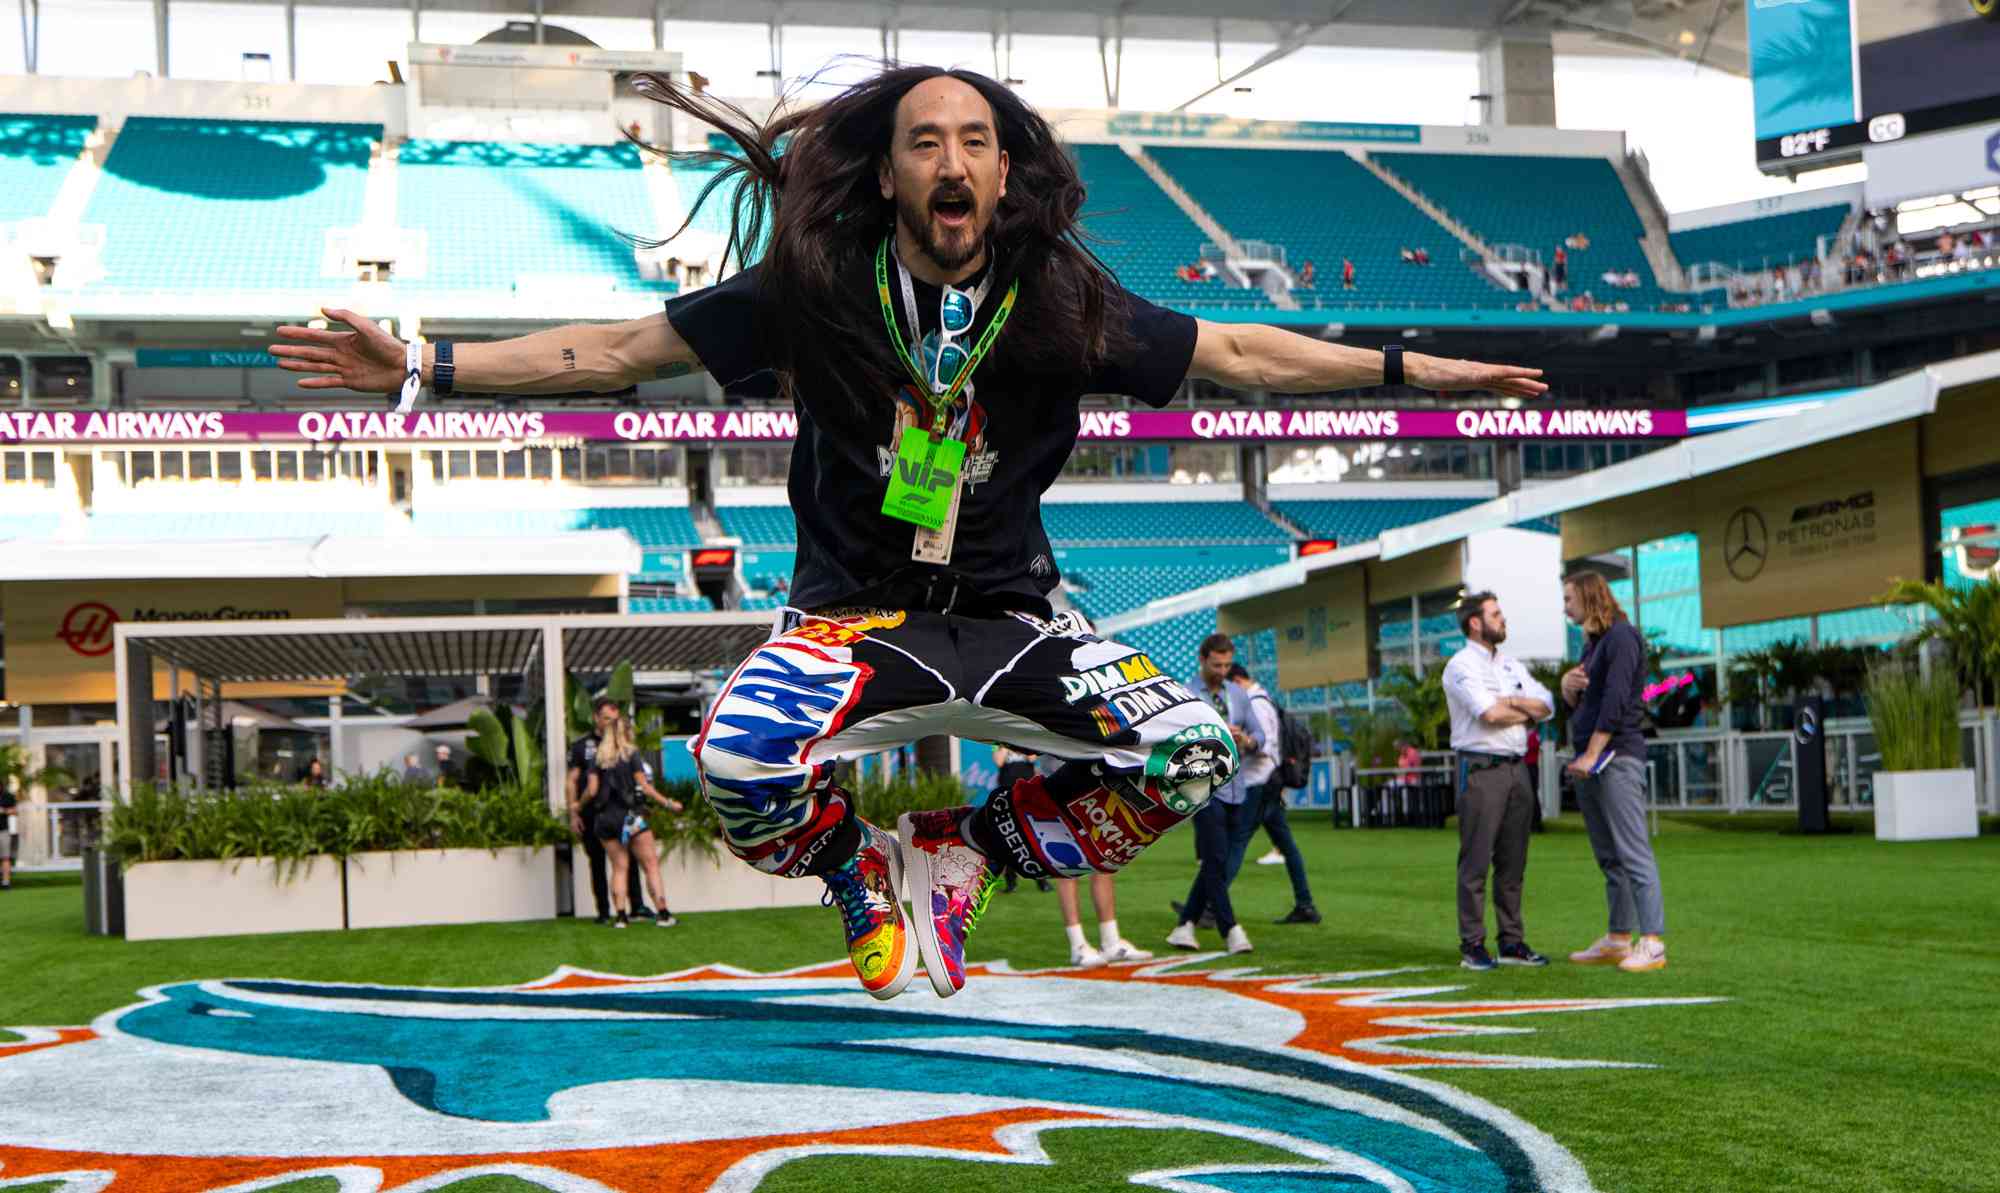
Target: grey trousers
1614 811
1496 811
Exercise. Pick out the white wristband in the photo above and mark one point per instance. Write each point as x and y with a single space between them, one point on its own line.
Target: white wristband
413 377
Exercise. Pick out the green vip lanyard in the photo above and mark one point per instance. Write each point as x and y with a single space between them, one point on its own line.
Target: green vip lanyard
941 400
924 479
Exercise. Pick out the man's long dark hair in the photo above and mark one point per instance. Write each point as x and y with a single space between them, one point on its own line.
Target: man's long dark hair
803 187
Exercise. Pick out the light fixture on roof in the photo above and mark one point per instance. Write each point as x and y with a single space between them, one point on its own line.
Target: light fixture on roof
1687 37
1510 403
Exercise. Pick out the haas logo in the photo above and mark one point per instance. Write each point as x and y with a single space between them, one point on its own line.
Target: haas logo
86 629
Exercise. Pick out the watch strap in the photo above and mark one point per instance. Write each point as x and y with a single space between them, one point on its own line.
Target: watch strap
443 371
1392 364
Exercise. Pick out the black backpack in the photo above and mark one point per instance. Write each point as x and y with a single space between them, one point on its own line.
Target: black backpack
1295 749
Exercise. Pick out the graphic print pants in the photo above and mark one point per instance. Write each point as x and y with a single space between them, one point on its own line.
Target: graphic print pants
1142 751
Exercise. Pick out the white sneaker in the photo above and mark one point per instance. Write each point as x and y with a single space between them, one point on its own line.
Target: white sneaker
1648 953
1183 938
1273 858
1084 957
1125 950
1239 941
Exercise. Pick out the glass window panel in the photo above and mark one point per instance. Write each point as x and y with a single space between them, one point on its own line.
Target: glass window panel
16 464
1674 624
1669 565
142 466
1762 635
461 464
171 465
288 465
572 463
646 463
229 466
486 465
541 463
201 466
315 465
260 465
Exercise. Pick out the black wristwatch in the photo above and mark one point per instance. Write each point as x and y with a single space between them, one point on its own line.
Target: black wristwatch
1392 364
442 370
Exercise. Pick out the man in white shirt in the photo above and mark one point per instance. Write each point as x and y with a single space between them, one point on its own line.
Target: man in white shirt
1493 700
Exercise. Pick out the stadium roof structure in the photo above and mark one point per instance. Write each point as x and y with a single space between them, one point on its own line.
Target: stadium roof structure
1710 31
215 653
333 556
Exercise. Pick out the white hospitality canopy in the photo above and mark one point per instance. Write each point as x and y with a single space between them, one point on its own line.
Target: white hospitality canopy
327 557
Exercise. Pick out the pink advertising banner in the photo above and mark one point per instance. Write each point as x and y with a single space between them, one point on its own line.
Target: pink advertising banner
1296 423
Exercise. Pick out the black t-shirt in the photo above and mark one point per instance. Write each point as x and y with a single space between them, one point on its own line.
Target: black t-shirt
1022 426
618 786
582 758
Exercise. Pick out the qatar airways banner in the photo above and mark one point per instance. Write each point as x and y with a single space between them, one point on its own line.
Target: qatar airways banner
703 426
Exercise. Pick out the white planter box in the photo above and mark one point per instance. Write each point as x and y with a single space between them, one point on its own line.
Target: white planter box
697 882
1926 805
450 886
178 900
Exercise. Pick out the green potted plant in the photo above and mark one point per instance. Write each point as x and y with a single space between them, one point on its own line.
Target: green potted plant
1967 621
1923 791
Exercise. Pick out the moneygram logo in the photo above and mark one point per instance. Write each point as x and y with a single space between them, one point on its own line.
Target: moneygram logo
86 629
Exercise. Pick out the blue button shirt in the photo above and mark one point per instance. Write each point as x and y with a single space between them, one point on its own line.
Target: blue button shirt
1232 704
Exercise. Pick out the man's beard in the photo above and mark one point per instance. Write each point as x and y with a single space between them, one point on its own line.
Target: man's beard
915 216
1494 637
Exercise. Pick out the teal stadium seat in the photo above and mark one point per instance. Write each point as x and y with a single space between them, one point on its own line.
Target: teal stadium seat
28 526
759 525
1760 243
1163 523
650 526
237 524
227 205
1144 235
1540 202
1322 205
36 154
674 604
1103 591
497 211
1363 520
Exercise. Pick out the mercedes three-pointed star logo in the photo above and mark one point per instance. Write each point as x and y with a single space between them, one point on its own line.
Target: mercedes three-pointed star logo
1746 544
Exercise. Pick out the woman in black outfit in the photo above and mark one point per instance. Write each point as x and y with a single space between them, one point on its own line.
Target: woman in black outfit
619 788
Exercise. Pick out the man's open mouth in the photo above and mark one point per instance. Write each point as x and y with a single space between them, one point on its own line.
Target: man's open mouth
952 211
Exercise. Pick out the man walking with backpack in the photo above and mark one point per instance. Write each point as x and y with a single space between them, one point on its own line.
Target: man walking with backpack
1290 748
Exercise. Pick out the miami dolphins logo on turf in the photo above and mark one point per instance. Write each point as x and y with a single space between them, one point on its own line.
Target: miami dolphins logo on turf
713 1078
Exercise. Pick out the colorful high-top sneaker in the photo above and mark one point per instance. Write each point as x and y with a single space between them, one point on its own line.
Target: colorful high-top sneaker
867 889
950 886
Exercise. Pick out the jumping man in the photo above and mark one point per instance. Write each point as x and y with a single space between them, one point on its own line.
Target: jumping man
925 302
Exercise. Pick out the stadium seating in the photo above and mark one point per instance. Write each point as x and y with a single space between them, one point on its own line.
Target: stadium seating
1359 521
1103 591
1322 206
1146 234
495 212
1540 202
238 524
673 604
220 204
1759 243
650 526
36 154
689 180
1174 644
28 526
1164 523
759 525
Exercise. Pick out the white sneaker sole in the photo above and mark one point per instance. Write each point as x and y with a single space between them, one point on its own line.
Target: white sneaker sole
917 865
908 969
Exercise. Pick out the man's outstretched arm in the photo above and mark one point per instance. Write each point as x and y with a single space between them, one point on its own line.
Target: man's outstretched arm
580 358
1257 356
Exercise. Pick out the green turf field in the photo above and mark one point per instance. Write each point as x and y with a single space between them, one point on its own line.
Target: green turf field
1856 1050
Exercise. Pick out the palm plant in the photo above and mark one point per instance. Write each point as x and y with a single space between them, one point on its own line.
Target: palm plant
1915 718
1423 702
1967 621
16 773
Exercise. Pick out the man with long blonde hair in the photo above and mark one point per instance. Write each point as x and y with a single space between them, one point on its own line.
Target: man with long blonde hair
1610 773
